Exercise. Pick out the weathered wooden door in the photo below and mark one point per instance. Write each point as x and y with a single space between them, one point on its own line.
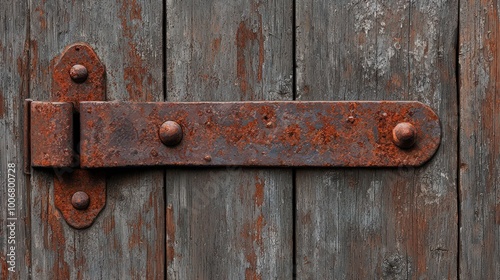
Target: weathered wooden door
438 221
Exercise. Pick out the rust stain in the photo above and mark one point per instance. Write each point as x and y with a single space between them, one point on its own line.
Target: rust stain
497 214
259 226
135 238
4 271
252 233
79 264
216 45
259 192
41 17
55 240
250 272
109 227
394 83
170 235
2 104
420 246
34 58
135 74
244 37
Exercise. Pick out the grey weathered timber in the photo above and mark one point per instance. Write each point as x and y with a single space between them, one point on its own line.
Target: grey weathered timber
479 140
14 77
379 223
233 223
127 239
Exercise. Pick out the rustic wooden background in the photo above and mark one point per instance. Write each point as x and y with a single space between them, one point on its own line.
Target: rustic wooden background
440 221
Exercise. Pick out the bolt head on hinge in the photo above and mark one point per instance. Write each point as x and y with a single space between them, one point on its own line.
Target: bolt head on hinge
80 200
78 73
404 135
170 133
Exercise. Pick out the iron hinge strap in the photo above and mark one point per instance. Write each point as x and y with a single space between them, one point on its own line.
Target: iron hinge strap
284 134
77 133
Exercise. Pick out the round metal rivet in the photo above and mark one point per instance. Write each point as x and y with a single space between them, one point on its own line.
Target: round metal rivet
170 133
404 135
78 73
80 200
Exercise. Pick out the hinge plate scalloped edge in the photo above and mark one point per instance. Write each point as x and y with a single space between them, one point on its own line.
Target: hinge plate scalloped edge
70 180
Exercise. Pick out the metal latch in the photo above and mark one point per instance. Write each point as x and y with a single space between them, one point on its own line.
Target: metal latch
78 131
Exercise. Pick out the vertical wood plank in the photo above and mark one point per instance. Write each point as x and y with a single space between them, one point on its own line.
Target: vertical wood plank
479 140
379 223
229 223
14 77
127 239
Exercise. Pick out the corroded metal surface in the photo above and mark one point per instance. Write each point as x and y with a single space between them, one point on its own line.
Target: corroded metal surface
348 134
92 183
79 75
51 134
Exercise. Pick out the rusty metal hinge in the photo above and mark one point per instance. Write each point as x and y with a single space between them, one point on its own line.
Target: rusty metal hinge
79 131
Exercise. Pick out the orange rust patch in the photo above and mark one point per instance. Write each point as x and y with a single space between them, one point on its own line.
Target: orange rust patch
244 37
135 73
292 135
259 192
170 234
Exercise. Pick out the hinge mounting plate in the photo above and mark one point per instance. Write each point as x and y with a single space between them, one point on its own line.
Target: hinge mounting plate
80 132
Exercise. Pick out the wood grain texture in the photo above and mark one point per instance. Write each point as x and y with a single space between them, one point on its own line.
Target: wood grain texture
127 239
229 223
479 140
14 78
379 223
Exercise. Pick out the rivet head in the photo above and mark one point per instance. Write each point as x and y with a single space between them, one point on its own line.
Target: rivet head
404 135
78 73
80 200
170 133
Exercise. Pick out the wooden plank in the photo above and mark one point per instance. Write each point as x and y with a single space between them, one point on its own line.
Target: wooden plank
127 239
479 140
379 223
229 223
14 77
